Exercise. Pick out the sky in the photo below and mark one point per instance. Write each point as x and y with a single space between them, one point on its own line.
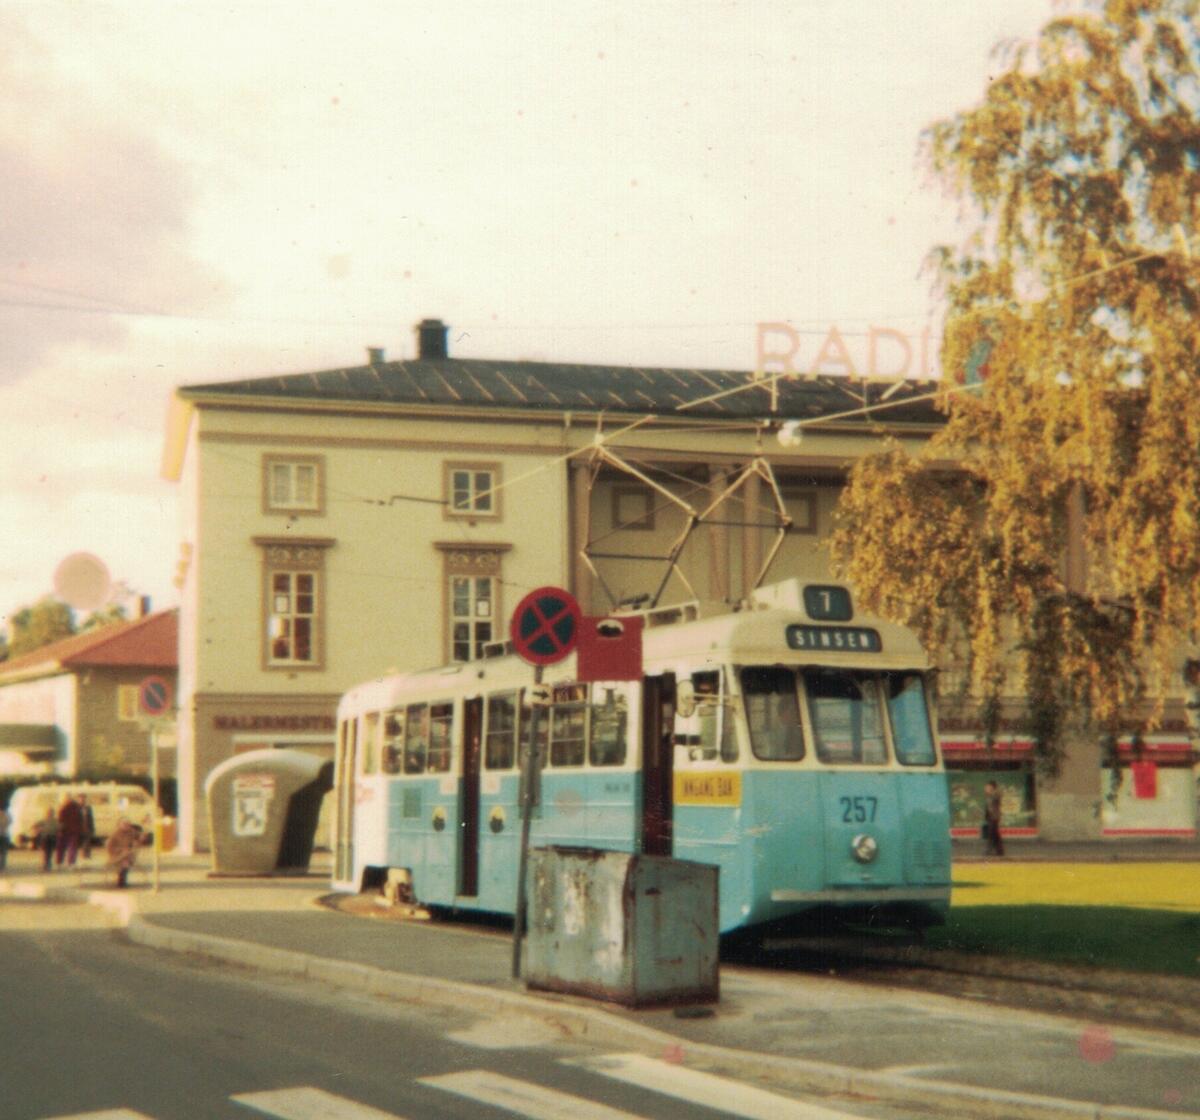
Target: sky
204 191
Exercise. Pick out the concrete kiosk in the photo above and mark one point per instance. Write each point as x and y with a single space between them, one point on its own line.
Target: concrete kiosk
262 811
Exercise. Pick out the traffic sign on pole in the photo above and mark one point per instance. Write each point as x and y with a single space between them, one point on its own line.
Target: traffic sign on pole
154 696
545 626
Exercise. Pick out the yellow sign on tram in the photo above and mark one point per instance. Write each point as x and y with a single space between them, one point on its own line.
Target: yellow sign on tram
711 787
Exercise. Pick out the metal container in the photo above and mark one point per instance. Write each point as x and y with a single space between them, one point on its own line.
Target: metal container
632 929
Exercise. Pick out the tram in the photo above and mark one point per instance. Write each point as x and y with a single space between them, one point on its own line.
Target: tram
791 743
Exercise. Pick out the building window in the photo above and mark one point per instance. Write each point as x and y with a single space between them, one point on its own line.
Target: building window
801 506
128 705
293 602
632 507
472 597
291 623
472 490
293 484
472 616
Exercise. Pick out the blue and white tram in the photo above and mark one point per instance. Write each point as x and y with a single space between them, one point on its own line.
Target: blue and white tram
790 743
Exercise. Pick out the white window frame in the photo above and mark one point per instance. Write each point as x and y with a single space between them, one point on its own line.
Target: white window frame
480 483
293 465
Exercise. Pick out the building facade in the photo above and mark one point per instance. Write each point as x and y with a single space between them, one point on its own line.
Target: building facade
71 708
345 523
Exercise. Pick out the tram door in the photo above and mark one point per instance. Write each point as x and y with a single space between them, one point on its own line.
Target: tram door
658 752
347 762
468 865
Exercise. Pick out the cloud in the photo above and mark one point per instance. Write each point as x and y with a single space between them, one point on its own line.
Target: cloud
94 226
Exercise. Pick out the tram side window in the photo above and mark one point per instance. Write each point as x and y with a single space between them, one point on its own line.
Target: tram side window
910 719
704 728
393 741
846 716
416 738
568 725
610 719
500 747
441 717
769 692
370 743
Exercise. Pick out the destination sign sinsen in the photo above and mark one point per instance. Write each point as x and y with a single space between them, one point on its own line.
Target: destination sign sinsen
851 639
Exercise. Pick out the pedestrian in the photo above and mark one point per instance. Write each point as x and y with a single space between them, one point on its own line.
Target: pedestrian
122 849
5 824
45 837
992 808
70 832
88 836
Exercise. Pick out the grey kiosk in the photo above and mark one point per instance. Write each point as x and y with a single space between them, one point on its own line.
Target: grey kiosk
263 808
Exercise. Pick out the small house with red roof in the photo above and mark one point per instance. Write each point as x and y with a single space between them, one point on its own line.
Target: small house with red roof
71 708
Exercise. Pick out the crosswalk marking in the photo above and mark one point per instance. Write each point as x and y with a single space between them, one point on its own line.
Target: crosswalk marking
531 1101
310 1104
698 1087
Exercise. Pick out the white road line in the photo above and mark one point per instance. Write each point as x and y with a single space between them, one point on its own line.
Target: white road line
310 1104
531 1101
104 1114
698 1087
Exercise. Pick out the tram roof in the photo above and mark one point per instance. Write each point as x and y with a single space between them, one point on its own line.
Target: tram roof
755 635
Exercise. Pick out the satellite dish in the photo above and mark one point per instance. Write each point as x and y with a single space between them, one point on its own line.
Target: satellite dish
82 581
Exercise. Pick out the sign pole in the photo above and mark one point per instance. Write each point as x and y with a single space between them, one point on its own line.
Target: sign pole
532 766
155 820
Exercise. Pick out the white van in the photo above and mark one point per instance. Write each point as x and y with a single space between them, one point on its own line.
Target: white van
109 801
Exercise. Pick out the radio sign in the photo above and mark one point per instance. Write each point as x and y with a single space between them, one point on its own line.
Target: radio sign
834 639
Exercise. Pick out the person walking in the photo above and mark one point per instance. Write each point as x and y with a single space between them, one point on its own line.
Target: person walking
88 836
5 823
122 849
45 837
992 809
70 832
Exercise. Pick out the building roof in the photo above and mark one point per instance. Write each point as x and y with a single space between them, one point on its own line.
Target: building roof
465 383
147 643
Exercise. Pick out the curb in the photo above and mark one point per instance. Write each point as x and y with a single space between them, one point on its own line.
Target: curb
608 1028
593 1023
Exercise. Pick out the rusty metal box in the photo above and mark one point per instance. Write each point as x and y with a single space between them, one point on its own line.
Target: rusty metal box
633 929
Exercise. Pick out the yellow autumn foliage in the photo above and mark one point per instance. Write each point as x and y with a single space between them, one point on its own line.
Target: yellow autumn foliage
1072 348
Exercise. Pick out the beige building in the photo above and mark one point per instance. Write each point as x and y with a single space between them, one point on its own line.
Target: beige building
390 515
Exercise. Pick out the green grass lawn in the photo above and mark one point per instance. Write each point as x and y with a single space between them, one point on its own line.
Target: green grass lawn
1125 938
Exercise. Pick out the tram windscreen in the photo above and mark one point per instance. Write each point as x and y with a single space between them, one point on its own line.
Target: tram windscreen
910 719
773 715
847 717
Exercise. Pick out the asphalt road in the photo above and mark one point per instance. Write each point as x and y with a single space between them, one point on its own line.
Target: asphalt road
92 1026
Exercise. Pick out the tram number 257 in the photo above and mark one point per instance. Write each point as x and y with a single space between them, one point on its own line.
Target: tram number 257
858 810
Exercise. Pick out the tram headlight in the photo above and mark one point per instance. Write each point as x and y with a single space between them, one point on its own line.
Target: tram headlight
864 848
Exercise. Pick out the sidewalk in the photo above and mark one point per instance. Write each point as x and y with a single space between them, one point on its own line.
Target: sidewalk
810 1032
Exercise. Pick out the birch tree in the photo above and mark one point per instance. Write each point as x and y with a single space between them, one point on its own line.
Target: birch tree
1070 348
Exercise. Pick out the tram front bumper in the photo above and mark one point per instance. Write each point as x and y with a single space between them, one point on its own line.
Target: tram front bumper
871 895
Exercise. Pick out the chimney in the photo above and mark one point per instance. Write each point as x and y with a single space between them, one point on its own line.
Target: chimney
144 606
431 339
376 355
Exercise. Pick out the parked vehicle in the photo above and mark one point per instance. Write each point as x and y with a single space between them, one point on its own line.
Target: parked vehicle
110 801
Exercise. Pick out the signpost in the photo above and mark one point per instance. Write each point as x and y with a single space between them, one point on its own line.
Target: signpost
544 630
155 697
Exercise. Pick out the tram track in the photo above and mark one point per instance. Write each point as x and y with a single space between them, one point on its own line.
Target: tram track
1170 1003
